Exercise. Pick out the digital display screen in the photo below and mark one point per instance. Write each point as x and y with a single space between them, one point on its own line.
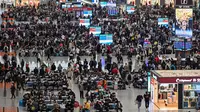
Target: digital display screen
87 13
180 45
106 39
184 22
77 5
95 30
63 6
163 22
112 11
184 3
111 3
84 22
130 9
103 4
95 1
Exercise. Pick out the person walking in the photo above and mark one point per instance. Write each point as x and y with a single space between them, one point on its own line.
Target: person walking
129 78
12 90
48 57
146 98
198 102
139 101
22 65
81 89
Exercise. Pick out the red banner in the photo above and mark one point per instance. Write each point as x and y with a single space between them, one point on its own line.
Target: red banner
78 8
179 79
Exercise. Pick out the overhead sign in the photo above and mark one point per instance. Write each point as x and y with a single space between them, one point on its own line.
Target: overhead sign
184 3
187 80
78 8
179 80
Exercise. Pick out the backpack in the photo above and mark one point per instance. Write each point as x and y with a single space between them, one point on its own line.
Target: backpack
129 77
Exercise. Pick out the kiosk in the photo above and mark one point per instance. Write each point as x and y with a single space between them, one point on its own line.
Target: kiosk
174 89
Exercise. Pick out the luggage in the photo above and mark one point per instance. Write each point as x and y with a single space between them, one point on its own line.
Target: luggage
21 103
76 104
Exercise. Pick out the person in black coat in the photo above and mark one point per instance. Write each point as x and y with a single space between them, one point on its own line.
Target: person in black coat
12 89
53 67
22 64
36 71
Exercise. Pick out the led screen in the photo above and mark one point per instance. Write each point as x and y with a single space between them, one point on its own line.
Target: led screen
95 30
112 11
84 22
163 22
103 4
87 13
130 9
64 6
184 21
95 1
111 3
180 45
77 5
106 39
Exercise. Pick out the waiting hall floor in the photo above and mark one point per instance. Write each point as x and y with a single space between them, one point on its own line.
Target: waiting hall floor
127 97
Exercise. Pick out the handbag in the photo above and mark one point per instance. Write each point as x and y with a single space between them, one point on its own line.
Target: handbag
136 102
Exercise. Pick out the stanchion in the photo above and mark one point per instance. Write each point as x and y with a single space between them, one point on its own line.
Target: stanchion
17 91
4 88
17 109
3 109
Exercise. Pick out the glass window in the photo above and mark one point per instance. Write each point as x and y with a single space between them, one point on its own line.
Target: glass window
190 95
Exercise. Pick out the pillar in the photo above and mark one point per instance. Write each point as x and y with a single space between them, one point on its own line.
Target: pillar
137 3
162 2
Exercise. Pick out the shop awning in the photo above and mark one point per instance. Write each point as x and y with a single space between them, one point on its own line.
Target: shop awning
176 76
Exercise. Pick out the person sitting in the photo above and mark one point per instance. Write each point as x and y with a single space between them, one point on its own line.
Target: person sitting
99 106
56 107
119 106
86 106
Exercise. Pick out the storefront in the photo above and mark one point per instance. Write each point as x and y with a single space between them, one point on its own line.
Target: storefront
150 2
168 2
172 90
27 2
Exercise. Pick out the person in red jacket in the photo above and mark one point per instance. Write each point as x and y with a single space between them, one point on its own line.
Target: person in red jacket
157 60
115 71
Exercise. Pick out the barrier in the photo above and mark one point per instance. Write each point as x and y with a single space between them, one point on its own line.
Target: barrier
10 109
1 85
1 109
9 53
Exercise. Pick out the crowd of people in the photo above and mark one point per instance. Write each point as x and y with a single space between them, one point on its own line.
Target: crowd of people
47 30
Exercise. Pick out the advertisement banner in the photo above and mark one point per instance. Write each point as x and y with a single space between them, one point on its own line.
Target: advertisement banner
184 22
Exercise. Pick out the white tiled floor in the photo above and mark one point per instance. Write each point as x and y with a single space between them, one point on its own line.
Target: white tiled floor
127 97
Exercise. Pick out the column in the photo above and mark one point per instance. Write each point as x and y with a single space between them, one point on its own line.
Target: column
137 2
162 2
